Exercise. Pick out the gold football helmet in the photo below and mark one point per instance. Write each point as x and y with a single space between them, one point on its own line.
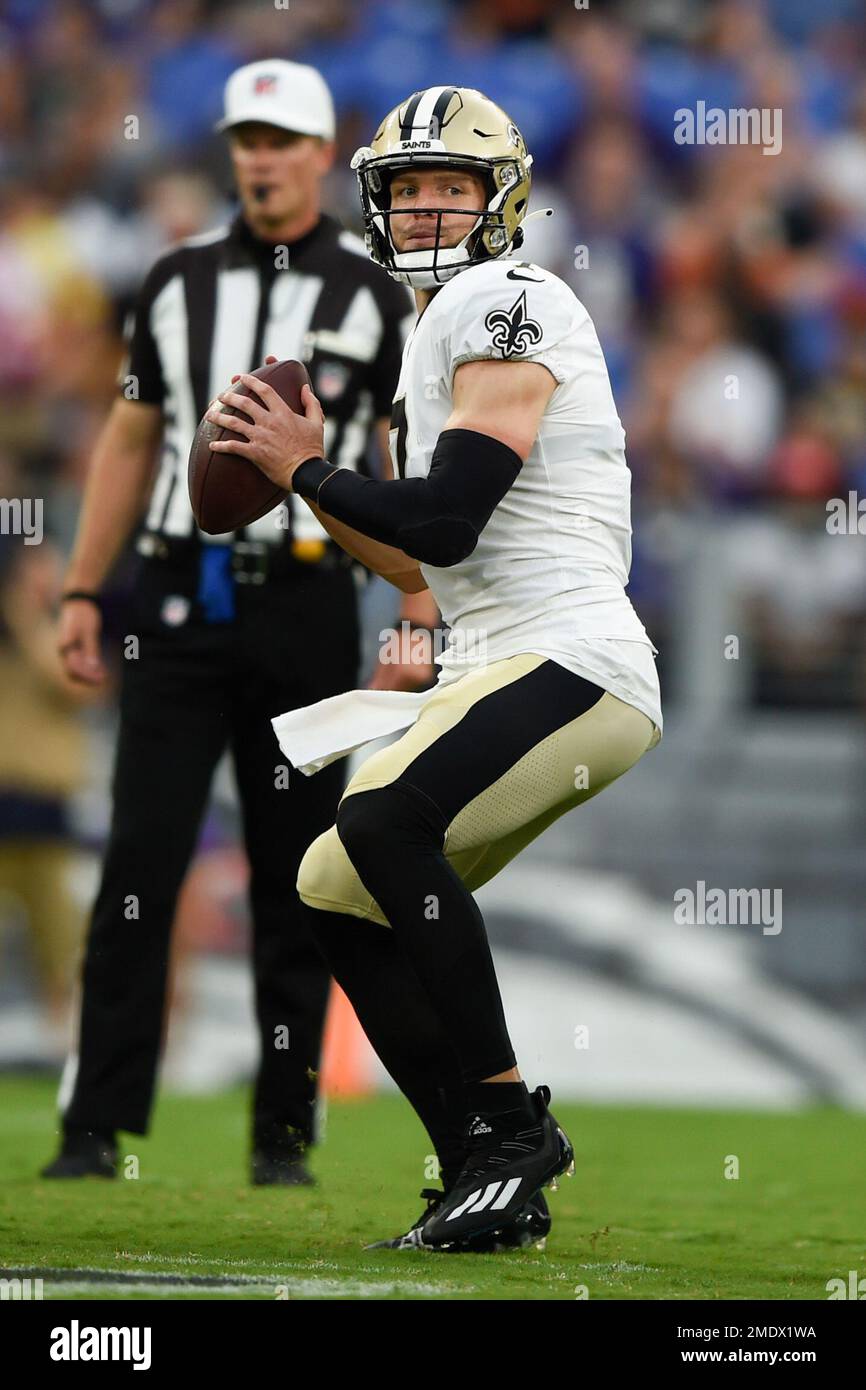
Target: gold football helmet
452 126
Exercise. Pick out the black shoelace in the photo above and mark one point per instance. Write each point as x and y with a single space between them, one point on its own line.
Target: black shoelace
434 1199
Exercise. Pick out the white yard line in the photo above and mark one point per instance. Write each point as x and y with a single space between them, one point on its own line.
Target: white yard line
96 1283
294 1288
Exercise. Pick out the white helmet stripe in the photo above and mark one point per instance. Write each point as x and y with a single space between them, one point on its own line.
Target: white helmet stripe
426 106
409 116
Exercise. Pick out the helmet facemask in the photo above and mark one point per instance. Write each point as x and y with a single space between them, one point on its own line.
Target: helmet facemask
431 266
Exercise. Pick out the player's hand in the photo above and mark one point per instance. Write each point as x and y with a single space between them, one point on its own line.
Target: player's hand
78 642
277 441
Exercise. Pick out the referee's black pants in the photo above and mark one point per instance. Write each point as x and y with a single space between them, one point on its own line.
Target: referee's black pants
192 691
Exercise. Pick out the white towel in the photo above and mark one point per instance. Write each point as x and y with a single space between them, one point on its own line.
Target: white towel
319 734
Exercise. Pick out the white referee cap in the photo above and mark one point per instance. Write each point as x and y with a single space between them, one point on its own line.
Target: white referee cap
290 95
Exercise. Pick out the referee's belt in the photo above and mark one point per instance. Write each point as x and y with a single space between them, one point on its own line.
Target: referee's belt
253 562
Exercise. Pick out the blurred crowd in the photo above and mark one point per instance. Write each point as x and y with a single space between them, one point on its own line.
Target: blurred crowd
728 285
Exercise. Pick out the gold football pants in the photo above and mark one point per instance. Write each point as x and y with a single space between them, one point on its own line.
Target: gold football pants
501 759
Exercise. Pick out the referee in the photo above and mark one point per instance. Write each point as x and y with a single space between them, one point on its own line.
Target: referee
231 630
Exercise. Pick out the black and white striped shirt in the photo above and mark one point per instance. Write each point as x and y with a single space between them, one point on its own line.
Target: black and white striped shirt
217 304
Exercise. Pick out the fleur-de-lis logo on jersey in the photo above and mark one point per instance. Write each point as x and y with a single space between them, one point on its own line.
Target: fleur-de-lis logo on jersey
512 329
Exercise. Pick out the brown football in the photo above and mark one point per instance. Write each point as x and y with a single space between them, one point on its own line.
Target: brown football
227 490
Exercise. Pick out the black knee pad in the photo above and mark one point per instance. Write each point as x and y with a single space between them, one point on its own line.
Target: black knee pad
373 821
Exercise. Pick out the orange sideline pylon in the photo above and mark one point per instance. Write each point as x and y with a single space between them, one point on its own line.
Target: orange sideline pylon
346 1053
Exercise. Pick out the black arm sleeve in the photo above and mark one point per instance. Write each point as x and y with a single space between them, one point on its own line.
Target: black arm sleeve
436 519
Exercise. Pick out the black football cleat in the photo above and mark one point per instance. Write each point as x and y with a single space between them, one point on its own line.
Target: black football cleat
84 1153
273 1168
530 1227
279 1156
510 1156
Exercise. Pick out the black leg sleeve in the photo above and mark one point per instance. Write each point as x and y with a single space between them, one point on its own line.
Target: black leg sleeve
394 838
400 1022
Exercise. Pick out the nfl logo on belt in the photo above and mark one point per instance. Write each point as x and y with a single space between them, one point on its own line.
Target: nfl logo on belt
331 380
264 83
175 610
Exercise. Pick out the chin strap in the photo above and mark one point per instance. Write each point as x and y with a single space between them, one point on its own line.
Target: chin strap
517 240
539 212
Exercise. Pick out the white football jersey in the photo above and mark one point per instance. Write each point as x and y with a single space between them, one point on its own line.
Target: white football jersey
548 574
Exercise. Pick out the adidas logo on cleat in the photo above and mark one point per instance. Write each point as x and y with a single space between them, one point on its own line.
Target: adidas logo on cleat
478 1201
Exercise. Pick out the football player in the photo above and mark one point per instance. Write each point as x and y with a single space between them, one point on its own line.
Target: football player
511 502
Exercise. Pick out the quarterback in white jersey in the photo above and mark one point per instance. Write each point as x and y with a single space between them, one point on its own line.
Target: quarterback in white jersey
549 571
510 500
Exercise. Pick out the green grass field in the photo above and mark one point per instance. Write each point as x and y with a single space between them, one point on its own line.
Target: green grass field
648 1215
